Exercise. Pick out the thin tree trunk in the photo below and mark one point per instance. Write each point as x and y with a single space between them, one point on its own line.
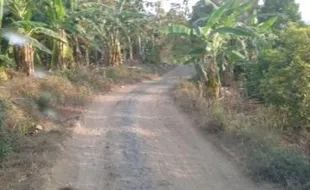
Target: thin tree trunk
62 53
130 49
17 56
117 54
87 59
139 47
130 53
227 75
213 83
78 53
114 54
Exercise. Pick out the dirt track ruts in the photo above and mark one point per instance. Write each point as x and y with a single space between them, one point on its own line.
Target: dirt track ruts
136 139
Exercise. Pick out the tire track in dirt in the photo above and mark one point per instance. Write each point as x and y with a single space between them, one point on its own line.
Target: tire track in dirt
136 139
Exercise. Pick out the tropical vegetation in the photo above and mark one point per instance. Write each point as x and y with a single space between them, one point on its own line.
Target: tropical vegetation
252 84
261 51
66 34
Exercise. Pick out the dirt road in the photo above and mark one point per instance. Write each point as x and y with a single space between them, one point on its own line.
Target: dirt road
136 139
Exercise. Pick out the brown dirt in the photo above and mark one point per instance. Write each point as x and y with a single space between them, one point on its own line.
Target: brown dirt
136 138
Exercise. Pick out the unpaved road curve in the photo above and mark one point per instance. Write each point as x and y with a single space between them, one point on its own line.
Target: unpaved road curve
136 139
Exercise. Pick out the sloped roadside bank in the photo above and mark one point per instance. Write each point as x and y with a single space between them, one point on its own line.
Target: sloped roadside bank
37 113
241 128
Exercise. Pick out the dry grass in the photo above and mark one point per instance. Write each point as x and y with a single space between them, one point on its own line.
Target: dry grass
27 102
250 133
24 169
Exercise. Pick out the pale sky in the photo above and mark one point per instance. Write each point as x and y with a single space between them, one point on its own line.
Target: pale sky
304 6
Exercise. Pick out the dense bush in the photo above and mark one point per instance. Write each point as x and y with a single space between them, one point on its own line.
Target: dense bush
288 89
277 165
281 76
256 72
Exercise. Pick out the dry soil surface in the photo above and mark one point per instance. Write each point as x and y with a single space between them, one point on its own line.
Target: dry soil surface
136 139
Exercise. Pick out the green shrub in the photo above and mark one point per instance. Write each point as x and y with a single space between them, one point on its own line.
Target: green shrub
256 72
152 54
112 74
281 77
268 162
45 100
288 89
6 139
6 145
93 80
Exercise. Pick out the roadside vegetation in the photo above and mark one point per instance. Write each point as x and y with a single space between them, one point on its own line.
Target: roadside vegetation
55 56
38 114
251 90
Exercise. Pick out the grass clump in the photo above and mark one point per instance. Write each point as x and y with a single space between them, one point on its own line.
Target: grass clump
6 137
271 163
102 79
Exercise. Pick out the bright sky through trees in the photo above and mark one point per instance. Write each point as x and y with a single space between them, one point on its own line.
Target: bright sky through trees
304 8
304 4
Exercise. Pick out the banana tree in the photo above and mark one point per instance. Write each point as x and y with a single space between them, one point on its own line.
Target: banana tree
73 23
22 34
137 31
56 14
220 26
117 28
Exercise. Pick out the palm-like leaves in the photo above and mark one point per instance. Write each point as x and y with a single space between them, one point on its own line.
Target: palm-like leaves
59 24
221 27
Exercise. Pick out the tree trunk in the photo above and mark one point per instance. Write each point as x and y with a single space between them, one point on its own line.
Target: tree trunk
213 84
87 59
113 55
118 53
139 47
24 57
227 75
62 53
77 51
130 53
130 49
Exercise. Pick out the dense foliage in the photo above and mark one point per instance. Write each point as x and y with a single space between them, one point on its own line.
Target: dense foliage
61 34
263 46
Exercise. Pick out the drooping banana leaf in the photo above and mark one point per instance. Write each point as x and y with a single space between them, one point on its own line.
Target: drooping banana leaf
28 23
238 31
176 29
215 18
48 32
242 8
38 45
268 24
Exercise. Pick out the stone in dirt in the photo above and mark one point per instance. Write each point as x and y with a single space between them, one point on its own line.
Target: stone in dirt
39 127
